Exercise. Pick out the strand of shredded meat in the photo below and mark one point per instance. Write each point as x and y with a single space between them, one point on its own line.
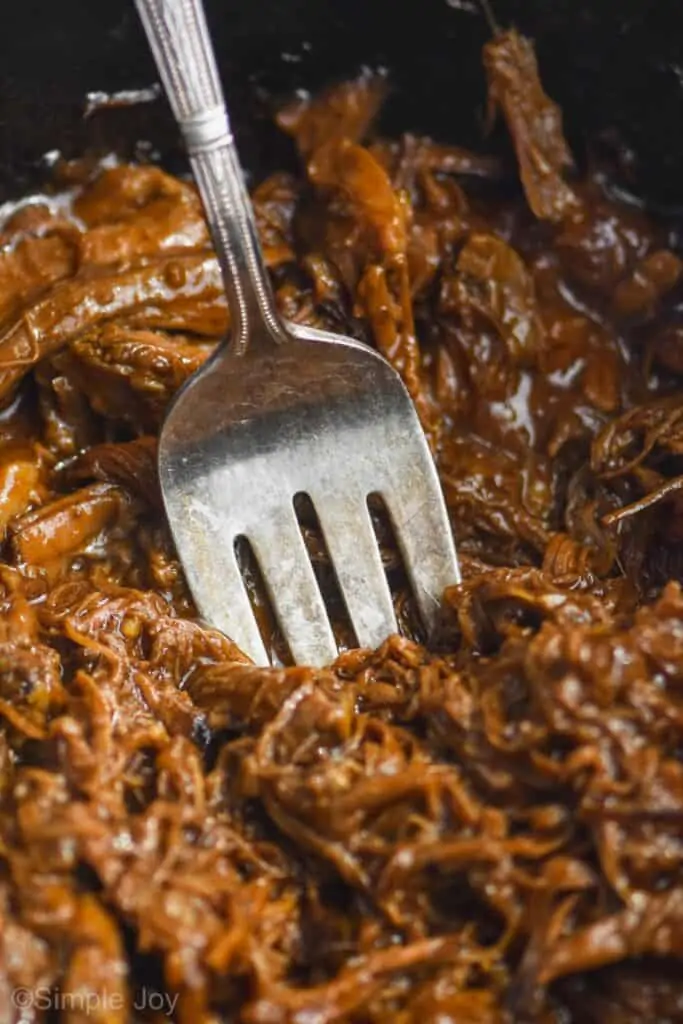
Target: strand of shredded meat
487 833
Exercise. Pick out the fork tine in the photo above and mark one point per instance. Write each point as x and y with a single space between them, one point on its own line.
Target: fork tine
424 537
354 551
227 607
288 574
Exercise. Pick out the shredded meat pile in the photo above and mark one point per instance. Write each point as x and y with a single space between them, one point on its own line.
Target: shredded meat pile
486 834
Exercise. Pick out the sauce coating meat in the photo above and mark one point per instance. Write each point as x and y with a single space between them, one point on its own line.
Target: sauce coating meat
485 834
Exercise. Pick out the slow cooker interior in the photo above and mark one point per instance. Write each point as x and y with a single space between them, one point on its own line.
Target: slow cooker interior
616 70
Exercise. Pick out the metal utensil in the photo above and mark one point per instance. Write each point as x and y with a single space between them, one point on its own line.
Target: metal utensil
282 410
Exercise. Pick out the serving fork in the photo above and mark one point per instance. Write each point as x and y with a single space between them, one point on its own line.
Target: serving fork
282 410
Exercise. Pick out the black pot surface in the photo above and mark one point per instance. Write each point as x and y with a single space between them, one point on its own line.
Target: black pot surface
615 67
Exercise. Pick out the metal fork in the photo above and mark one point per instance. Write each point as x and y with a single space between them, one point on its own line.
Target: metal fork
282 410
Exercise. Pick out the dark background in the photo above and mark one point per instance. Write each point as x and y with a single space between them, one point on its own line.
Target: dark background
616 66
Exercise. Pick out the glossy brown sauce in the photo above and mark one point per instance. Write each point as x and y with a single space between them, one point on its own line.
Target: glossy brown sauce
484 834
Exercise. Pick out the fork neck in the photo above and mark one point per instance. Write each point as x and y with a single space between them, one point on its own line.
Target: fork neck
179 38
220 180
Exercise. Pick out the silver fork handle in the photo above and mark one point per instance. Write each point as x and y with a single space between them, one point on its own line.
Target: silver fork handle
179 39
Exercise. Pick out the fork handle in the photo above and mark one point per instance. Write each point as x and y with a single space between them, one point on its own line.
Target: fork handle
179 39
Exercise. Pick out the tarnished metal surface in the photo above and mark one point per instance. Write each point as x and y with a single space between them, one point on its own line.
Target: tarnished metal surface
279 411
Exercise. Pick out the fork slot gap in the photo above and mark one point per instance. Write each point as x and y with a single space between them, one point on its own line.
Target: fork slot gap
312 534
407 612
264 613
